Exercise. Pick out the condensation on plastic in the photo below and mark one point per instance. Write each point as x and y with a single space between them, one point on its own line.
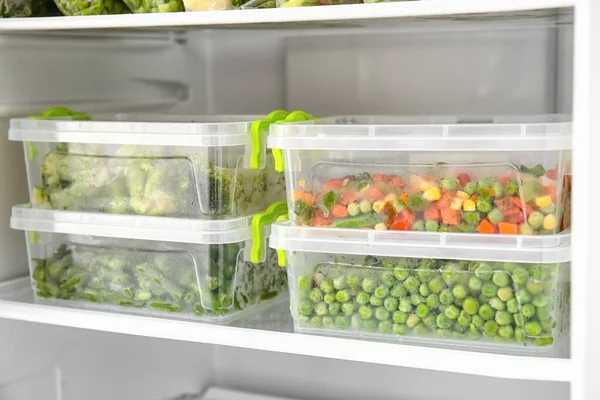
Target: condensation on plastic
521 173
208 5
501 248
154 6
166 166
91 7
393 316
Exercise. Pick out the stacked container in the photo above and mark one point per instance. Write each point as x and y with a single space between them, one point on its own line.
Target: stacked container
148 213
442 231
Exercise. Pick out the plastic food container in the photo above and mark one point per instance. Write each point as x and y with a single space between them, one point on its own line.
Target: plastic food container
144 265
154 6
91 7
477 175
208 5
308 3
501 294
173 166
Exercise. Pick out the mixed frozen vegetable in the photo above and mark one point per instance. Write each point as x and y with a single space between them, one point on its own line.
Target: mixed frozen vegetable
173 281
529 201
154 6
154 180
504 302
91 7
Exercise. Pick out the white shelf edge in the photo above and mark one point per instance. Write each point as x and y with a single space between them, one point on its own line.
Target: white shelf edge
420 8
464 362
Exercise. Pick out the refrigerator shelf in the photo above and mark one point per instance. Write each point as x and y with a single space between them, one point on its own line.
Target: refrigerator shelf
273 331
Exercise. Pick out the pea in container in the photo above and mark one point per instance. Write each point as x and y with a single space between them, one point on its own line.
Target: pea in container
179 268
500 294
156 165
504 175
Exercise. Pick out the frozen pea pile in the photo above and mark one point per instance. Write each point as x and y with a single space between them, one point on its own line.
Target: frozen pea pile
505 302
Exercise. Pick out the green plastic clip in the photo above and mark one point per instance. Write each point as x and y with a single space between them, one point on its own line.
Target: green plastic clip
281 253
257 129
62 113
295 116
258 222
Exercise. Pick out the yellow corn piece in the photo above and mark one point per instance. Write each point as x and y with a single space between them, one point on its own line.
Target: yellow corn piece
550 221
365 188
462 195
543 201
301 183
432 194
380 227
426 185
378 205
390 198
456 204
469 205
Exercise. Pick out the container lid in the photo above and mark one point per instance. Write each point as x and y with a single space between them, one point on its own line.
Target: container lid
141 129
388 133
452 246
132 226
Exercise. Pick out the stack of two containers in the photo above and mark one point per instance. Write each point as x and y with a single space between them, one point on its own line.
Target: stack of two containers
433 231
149 214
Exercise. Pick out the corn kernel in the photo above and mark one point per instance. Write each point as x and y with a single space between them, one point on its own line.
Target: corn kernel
543 201
462 195
365 188
301 183
345 182
432 194
469 205
378 205
550 221
426 185
456 204
415 180
380 227
390 198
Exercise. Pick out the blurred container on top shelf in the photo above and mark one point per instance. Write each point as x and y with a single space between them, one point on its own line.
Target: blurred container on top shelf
159 165
310 3
504 175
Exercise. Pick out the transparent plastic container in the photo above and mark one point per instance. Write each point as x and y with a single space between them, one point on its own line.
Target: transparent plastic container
498 294
174 166
154 6
441 174
185 268
91 7
208 5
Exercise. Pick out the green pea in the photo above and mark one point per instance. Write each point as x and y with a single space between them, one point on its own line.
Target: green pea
506 293
541 301
424 290
422 310
316 295
443 321
339 282
321 309
382 291
504 318
475 284
391 303
370 325
365 312
430 320
497 304
452 312
477 321
388 279
506 331
490 328
354 281
416 299
413 320
334 308
501 278
326 286
470 188
520 335
512 305
343 296
488 289
418 225
486 312
305 307
342 322
533 328
436 285
327 322
446 297
381 313
484 272
528 310
316 321
385 326
471 305
348 309
432 226
412 284
421 330
363 298
544 313
519 319
356 321
484 206
495 216
432 301
400 329
449 184
400 317
545 341
329 298
471 217
368 285
304 281
520 275
401 273
376 301
459 291
405 305
523 296
535 219
464 319
398 291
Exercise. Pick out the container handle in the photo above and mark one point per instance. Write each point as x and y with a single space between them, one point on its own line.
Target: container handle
258 222
256 130
281 261
62 113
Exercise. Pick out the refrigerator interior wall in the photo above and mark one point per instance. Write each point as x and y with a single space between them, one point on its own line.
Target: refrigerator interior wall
437 66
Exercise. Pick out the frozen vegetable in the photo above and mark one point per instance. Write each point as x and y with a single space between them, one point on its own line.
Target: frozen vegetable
208 5
163 280
477 300
154 6
436 199
91 7
26 8
152 180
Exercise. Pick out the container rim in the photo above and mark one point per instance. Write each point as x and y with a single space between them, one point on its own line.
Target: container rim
453 246
141 129
421 133
141 227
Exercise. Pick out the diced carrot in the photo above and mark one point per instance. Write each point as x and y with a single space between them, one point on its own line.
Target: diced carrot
397 182
505 228
334 184
304 195
552 173
450 217
339 211
551 191
379 177
374 193
348 196
443 202
525 207
485 227
400 224
404 197
407 215
504 179
432 213
319 219
463 179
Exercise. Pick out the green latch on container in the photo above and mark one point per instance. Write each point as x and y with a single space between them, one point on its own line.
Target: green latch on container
281 261
62 113
261 125
274 211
